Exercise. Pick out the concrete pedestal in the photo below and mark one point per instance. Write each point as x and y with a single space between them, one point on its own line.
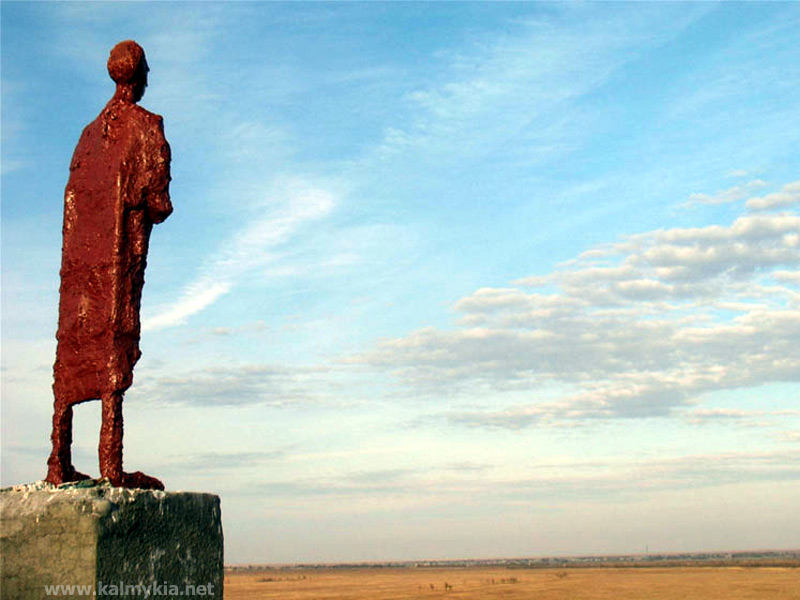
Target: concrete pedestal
107 541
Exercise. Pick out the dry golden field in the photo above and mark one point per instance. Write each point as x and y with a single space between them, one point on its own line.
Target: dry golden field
611 583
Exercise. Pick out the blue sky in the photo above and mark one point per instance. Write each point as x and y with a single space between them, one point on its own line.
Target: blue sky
443 280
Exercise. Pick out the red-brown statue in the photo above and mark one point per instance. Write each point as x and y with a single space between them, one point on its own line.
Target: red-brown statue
118 188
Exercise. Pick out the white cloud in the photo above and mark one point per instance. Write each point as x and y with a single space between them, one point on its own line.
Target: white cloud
704 416
271 385
792 277
788 196
639 328
789 436
733 194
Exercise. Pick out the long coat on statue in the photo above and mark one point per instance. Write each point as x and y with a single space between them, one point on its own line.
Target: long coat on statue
118 187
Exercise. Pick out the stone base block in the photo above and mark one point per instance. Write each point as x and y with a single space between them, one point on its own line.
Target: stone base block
93 540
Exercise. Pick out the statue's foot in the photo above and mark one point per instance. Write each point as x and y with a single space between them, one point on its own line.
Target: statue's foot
139 480
58 474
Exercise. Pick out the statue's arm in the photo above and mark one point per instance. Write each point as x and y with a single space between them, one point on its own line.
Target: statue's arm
159 206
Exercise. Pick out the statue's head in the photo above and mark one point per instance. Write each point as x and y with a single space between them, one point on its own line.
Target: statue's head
127 66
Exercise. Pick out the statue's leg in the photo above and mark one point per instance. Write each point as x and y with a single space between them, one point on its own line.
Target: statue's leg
59 465
110 449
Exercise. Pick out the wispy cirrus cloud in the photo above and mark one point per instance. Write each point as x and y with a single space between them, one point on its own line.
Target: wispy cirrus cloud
638 328
292 206
519 86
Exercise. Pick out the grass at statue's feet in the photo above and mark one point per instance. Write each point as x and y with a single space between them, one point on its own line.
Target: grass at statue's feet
612 583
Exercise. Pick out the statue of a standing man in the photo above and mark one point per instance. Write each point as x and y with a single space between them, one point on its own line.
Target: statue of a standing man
118 188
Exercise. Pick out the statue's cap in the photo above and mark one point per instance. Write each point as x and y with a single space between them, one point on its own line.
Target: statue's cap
125 60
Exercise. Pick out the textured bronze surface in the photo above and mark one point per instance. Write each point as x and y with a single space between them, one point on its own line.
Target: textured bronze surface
117 189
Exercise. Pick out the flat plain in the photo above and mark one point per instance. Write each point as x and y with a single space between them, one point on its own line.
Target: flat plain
479 583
